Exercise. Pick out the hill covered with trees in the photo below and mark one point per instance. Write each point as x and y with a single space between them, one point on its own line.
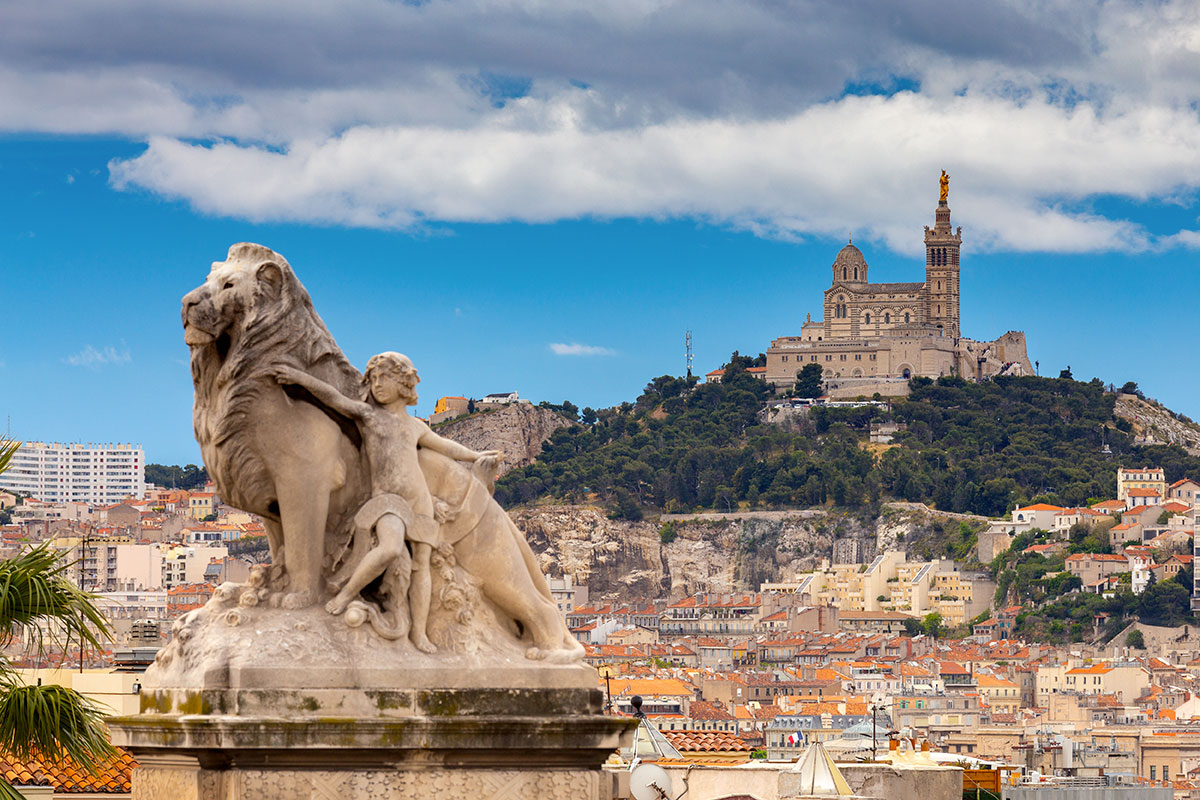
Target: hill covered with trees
968 447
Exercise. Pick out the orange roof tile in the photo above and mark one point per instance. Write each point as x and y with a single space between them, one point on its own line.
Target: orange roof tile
705 741
110 777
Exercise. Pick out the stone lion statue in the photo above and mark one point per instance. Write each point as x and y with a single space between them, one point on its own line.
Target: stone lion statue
279 452
273 453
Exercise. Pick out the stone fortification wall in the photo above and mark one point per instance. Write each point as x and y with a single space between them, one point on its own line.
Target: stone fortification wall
850 388
1005 355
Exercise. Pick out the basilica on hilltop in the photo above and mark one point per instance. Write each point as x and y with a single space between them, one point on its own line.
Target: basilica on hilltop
876 334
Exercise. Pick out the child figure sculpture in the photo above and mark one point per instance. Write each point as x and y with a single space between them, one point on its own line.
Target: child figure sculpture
399 493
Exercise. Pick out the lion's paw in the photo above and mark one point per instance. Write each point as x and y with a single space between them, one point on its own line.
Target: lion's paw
296 600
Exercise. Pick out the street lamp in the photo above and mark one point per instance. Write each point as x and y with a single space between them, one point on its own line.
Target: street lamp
606 672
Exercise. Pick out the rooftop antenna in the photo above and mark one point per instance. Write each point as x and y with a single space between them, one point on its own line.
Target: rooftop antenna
687 340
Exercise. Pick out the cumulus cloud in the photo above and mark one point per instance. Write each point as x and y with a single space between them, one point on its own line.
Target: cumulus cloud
576 349
94 358
863 163
394 115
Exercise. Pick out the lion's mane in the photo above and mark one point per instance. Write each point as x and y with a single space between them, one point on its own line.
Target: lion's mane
264 328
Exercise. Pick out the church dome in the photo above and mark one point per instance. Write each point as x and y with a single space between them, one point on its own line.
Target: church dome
850 256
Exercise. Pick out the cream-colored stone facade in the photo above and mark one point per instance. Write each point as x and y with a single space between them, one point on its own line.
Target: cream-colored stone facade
874 332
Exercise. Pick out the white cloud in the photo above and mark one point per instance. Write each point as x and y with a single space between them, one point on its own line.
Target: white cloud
867 164
94 358
394 115
576 349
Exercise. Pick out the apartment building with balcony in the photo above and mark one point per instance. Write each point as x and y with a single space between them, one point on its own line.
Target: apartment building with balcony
98 474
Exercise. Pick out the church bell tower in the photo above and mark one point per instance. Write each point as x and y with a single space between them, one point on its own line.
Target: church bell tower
942 245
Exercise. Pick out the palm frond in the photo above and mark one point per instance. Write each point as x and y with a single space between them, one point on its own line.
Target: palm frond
51 721
8 449
34 588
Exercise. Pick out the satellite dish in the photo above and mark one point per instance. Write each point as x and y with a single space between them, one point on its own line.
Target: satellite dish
649 781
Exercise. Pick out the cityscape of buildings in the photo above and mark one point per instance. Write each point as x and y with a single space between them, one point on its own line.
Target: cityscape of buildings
856 646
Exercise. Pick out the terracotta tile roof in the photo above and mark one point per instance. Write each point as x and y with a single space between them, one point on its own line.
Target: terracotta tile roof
66 776
1142 493
1041 507
705 741
702 709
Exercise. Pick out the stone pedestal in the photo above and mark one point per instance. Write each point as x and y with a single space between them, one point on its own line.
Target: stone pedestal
345 744
292 705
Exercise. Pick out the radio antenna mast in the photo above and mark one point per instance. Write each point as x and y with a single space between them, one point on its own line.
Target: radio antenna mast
687 340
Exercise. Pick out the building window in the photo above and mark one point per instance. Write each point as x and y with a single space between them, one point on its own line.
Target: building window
887 319
829 358
785 358
906 316
1153 774
868 319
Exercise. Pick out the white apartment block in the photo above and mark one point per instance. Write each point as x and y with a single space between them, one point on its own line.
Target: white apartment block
100 474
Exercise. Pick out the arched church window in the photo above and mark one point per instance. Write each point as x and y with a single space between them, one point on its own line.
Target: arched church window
906 316
844 272
868 319
887 318
939 286
856 273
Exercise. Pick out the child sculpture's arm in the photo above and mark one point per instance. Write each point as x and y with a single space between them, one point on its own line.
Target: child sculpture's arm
447 447
322 391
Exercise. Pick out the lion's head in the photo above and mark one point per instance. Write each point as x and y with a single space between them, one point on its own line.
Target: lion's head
250 314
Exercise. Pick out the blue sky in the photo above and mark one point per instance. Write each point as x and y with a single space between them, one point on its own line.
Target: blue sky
474 200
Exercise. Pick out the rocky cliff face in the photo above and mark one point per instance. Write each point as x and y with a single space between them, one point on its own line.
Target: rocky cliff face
518 429
1154 424
628 561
